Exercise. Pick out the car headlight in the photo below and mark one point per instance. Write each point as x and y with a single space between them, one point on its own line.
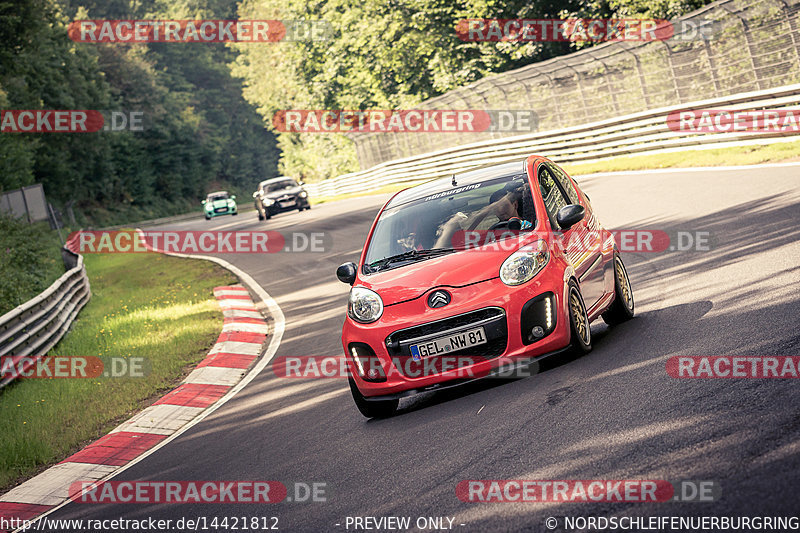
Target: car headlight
523 265
267 202
303 194
364 305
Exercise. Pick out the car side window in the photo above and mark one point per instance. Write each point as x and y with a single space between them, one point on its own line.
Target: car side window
552 195
566 185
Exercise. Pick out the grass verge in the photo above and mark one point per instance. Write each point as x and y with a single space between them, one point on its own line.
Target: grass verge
149 306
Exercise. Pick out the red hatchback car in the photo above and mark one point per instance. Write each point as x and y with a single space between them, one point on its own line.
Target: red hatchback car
460 276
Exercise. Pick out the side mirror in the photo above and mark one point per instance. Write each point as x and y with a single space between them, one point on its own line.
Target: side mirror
233 197
203 202
569 215
347 273
255 194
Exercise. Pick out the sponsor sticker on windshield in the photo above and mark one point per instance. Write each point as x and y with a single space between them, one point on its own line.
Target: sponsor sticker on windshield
451 191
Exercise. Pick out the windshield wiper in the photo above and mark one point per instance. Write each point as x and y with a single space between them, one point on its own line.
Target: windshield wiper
411 255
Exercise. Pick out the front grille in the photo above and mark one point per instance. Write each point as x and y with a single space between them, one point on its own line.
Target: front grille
493 321
457 322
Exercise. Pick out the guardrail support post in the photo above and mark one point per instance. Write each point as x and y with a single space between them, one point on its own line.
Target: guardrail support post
578 81
554 99
672 72
606 77
748 43
625 48
712 67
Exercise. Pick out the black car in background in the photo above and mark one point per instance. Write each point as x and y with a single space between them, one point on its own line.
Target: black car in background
277 195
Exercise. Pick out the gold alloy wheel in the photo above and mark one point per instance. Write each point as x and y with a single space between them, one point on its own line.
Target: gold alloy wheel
624 283
579 315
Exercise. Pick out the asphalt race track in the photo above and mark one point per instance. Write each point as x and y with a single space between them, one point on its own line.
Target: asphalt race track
613 414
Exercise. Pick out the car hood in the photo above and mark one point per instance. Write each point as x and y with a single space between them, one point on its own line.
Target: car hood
277 194
458 269
218 203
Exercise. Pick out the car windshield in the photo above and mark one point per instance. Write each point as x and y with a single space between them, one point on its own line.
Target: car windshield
217 196
279 185
448 221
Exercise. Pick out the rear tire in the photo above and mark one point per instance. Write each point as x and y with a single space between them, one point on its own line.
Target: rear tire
260 216
623 306
580 331
376 409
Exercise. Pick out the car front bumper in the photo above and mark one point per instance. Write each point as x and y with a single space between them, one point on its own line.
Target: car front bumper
505 350
281 207
219 212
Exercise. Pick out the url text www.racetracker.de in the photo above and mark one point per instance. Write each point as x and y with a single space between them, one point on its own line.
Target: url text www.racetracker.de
193 523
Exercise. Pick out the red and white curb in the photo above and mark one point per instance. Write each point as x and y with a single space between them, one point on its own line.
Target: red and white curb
227 368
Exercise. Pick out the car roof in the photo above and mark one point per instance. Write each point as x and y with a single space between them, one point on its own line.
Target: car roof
279 178
463 179
216 193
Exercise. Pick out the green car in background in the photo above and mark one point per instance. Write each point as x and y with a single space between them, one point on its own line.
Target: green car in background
219 203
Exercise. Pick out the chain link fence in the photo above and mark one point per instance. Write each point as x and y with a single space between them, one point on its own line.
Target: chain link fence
752 45
28 202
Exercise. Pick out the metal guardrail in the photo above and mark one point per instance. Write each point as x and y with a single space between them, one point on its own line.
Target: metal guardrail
28 331
638 133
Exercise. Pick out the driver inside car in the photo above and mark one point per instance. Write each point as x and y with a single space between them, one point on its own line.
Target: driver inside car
504 203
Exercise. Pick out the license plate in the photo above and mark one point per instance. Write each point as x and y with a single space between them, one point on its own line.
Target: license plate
448 344
288 204
220 209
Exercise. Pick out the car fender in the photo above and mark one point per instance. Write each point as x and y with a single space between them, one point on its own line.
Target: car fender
569 275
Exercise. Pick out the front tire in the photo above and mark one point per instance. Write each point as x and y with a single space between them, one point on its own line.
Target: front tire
580 331
376 409
622 308
208 217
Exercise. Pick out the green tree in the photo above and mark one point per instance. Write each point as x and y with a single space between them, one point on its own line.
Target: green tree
391 54
199 131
